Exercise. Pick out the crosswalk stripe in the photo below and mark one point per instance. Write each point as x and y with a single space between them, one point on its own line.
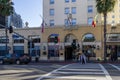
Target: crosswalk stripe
52 72
106 73
58 72
83 69
70 77
115 67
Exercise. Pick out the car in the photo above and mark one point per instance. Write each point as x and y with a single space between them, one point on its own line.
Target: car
13 58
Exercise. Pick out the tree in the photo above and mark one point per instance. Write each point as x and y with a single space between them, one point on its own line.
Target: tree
6 9
104 7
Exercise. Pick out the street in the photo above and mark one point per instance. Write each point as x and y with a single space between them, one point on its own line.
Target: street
59 71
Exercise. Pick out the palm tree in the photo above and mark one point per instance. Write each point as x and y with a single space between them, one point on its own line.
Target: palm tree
103 7
6 9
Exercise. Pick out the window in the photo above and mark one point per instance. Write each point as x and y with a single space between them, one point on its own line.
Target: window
90 21
51 12
113 22
66 22
73 21
113 16
36 40
18 41
51 22
90 9
66 1
73 0
73 10
51 1
3 39
67 10
88 38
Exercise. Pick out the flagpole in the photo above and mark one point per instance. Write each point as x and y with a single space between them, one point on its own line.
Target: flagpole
41 35
42 31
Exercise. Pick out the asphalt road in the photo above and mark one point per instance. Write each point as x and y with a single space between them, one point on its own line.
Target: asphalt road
59 71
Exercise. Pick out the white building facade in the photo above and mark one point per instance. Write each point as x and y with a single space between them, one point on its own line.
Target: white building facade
83 12
55 12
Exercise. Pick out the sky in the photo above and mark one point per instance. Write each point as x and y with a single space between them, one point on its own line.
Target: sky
30 11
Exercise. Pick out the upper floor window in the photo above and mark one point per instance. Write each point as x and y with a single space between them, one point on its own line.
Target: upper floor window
90 19
73 0
113 16
113 22
51 12
66 1
73 21
73 10
90 9
51 1
67 10
51 22
66 22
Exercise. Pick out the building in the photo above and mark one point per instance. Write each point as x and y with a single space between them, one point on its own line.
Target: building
16 20
83 12
87 39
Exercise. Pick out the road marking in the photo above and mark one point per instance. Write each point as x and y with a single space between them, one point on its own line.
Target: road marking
59 72
40 78
106 73
14 71
115 66
71 77
83 69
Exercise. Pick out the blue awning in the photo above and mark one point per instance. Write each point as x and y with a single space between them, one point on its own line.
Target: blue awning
54 35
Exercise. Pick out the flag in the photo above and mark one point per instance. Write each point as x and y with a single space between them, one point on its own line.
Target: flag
94 21
42 25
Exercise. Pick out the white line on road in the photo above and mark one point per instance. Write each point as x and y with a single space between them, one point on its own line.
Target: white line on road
59 72
83 69
106 73
115 66
52 72
72 77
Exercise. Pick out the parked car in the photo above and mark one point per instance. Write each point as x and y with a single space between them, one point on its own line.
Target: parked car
13 58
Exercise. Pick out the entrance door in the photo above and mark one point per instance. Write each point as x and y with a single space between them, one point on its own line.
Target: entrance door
68 53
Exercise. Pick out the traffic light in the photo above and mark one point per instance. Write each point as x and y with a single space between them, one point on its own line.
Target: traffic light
56 39
30 44
74 44
10 29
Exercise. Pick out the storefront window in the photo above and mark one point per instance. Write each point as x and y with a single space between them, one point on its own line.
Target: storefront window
53 51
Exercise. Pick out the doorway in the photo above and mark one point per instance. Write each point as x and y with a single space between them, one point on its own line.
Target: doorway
68 53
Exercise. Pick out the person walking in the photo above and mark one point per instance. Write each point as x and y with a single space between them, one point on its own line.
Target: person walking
83 58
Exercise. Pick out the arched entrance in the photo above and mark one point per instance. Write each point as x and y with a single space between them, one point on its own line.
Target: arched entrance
69 55
53 46
88 45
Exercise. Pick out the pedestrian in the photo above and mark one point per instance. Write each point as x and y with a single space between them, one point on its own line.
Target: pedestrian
83 58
